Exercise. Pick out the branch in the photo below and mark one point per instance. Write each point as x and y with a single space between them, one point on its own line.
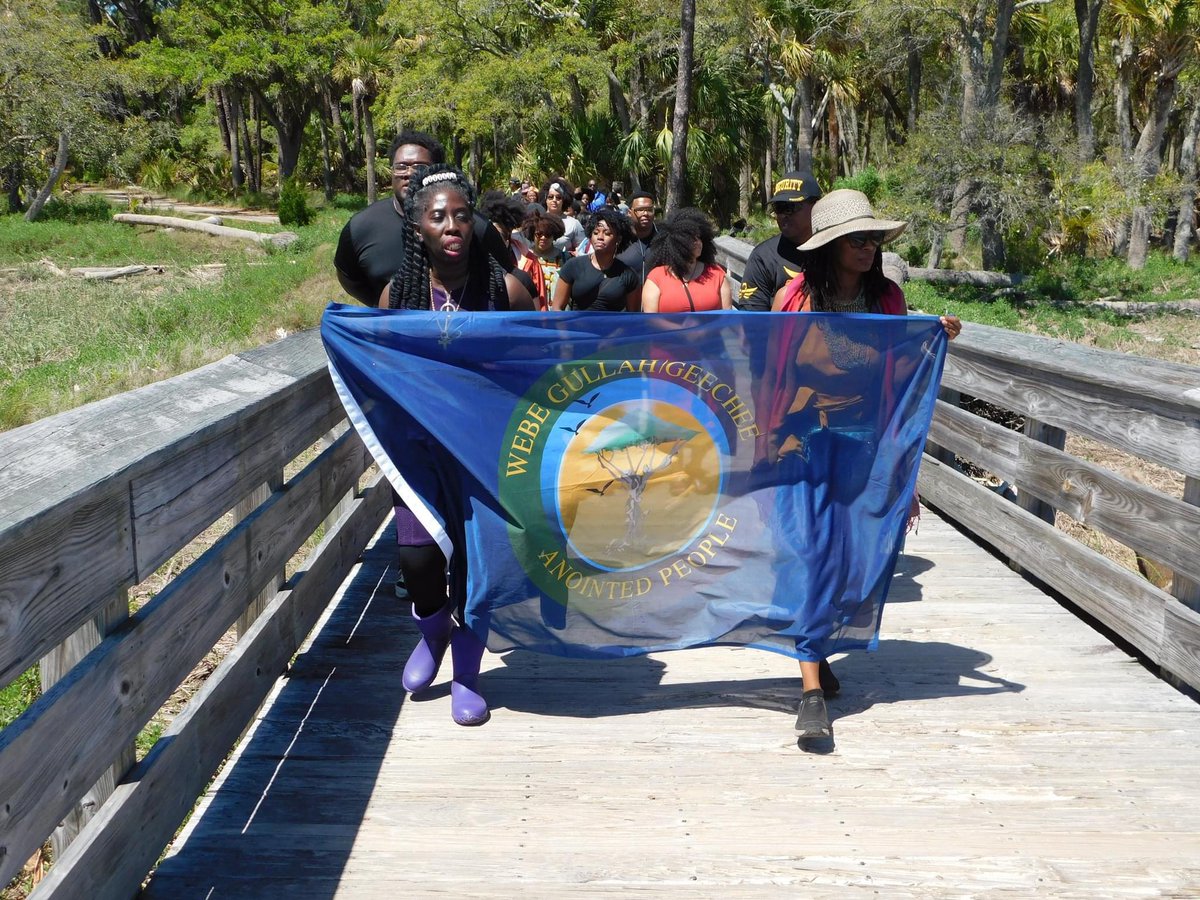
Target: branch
1025 3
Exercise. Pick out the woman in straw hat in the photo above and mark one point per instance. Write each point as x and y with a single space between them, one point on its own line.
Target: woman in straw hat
842 273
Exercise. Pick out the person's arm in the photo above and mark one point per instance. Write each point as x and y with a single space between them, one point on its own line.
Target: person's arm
758 285
778 301
384 295
650 296
562 293
519 298
726 292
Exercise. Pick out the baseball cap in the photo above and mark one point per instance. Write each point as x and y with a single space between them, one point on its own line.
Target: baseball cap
796 186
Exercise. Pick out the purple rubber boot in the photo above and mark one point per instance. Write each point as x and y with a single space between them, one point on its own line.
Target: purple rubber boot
466 705
426 657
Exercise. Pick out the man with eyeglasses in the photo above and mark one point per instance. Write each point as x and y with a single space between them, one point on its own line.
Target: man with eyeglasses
371 246
641 214
776 261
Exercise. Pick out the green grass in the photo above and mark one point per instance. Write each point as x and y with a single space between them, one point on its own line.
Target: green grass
17 696
64 341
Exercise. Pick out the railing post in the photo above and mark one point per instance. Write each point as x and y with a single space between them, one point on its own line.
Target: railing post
1183 588
339 509
54 666
938 452
1053 437
245 507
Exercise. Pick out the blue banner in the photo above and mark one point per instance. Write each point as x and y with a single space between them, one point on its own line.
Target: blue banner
609 484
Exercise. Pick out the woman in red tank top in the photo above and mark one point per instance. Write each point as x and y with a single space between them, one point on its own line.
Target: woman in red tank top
685 277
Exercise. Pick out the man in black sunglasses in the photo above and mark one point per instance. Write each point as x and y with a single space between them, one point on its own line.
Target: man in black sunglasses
776 261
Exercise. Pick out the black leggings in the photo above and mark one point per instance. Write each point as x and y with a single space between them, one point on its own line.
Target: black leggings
424 571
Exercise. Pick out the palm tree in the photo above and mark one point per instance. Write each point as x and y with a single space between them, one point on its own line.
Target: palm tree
362 64
677 184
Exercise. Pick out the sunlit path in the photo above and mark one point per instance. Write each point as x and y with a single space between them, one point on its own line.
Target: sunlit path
994 745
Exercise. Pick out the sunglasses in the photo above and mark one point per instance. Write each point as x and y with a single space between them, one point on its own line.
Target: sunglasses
860 239
543 234
786 209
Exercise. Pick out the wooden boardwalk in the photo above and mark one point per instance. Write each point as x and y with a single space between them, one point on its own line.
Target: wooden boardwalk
994 746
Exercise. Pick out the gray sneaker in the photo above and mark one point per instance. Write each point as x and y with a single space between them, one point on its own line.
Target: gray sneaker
812 718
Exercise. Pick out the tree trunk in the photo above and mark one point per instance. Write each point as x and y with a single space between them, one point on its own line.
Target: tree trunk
1087 17
217 98
475 160
769 163
232 116
326 156
1145 167
804 125
677 186
253 181
578 106
371 151
334 106
745 177
914 90
56 170
1185 228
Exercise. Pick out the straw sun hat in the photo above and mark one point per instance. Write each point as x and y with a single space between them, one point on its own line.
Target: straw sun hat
844 212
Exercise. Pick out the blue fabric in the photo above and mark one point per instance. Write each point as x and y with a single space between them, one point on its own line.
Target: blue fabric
609 485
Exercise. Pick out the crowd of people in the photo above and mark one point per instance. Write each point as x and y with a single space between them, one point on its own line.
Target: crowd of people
433 245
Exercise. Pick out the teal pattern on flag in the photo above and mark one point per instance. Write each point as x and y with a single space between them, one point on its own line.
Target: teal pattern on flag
614 484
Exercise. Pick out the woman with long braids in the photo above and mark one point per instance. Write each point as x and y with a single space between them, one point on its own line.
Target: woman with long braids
842 273
599 281
685 277
443 271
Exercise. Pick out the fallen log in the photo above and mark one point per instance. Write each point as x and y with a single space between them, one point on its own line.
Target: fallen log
278 239
1134 308
108 273
895 268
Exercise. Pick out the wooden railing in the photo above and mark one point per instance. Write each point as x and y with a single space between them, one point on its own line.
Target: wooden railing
1142 407
92 502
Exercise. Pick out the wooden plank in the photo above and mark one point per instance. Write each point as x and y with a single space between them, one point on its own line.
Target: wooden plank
1122 600
1181 643
1134 514
1084 390
994 745
112 857
66 533
206 473
244 508
52 668
1187 589
67 738
59 571
1051 437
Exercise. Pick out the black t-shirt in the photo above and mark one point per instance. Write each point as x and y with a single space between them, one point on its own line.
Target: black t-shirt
371 249
771 265
595 290
637 255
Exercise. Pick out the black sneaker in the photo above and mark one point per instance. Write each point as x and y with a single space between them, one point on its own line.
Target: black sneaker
829 682
812 718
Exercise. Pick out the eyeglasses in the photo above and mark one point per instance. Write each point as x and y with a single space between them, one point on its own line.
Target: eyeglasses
403 168
860 239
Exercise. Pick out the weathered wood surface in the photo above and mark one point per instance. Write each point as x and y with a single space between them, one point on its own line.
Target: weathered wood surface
110 859
162 462
1145 407
995 745
278 239
69 736
1122 600
1134 514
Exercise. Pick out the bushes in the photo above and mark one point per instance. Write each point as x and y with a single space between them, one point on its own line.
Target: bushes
293 204
77 209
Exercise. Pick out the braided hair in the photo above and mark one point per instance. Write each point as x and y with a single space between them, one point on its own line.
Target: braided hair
820 277
410 285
